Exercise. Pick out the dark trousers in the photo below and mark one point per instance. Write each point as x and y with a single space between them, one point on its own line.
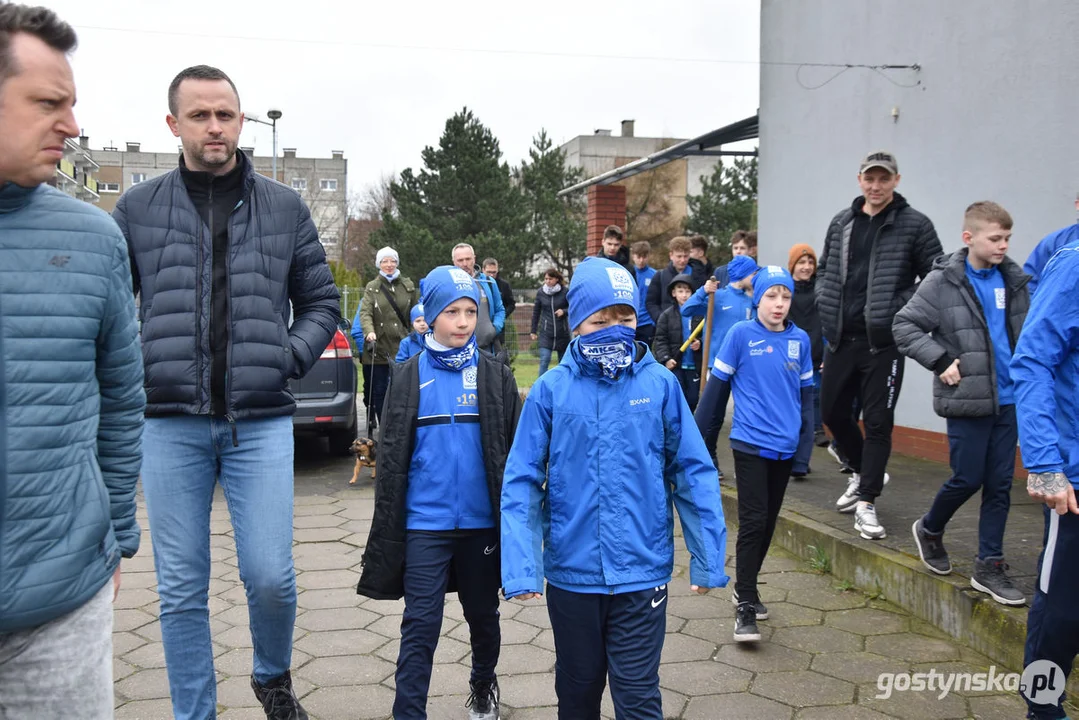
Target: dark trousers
365 373
983 458
596 635
645 334
851 372
761 485
690 382
1053 624
429 557
380 380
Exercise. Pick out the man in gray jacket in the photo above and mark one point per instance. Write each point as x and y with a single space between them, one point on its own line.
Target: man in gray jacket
219 254
962 324
71 397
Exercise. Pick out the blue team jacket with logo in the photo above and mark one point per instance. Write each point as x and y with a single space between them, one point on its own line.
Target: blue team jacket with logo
447 483
590 480
732 306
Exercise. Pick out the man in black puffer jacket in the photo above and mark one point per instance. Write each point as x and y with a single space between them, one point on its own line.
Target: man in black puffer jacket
874 254
219 255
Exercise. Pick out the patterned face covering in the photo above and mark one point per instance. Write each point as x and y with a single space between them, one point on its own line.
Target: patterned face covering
610 348
450 358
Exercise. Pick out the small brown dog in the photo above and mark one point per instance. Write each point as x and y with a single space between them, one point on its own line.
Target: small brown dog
364 449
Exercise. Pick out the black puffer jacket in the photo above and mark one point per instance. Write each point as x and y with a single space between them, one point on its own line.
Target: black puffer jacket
621 257
383 574
657 299
553 331
804 314
945 320
669 335
902 252
274 258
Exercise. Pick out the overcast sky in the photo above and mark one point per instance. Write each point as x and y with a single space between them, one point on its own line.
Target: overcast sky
378 80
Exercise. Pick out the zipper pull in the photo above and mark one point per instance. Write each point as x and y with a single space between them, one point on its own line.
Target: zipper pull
232 425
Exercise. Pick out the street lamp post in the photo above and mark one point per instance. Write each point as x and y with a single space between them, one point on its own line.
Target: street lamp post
274 114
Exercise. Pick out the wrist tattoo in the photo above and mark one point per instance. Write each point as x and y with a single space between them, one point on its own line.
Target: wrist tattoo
1049 483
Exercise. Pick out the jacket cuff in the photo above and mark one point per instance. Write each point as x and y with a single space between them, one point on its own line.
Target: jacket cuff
943 364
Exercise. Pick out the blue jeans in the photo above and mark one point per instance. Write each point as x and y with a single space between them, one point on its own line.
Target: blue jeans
183 460
982 454
545 359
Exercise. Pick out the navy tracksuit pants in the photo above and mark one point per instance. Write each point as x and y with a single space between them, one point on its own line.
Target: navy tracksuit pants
429 557
1053 624
596 635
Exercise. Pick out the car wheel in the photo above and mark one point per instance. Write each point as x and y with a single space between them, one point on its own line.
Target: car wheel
341 440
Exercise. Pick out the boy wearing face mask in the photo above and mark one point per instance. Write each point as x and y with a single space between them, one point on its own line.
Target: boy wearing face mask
767 362
453 410
605 443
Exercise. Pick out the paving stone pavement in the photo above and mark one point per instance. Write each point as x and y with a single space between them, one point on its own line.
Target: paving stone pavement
823 647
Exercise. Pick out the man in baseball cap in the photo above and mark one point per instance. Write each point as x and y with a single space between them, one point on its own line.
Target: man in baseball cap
880 159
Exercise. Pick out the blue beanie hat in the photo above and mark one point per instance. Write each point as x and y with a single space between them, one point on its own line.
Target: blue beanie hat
598 283
417 312
444 286
740 267
769 276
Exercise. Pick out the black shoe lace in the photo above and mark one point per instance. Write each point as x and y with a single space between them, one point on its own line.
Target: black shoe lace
278 700
998 569
482 698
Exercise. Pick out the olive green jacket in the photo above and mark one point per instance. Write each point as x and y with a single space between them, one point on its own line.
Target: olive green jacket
377 316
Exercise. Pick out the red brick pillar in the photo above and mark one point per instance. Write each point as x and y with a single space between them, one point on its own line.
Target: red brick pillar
606 206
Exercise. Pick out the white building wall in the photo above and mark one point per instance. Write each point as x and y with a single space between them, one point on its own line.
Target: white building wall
990 116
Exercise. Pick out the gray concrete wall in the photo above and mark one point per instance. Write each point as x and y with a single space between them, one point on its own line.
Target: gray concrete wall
991 115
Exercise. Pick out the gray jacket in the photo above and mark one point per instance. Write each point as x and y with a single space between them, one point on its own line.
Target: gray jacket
944 321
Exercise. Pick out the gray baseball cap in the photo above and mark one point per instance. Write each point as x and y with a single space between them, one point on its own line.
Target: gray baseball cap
881 159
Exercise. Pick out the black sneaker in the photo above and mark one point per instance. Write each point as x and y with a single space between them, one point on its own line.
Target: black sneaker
482 704
820 439
990 577
278 700
745 623
761 608
931 549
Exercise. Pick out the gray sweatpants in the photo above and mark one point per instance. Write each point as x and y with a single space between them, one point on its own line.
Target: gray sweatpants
62 669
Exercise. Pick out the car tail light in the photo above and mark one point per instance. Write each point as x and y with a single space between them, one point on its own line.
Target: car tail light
338 347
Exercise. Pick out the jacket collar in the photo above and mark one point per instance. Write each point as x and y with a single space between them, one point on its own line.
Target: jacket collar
15 197
643 358
243 163
955 268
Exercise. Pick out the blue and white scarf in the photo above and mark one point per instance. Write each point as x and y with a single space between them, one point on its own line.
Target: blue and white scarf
450 358
610 348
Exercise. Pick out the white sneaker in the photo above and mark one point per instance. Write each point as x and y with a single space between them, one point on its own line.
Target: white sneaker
865 522
849 499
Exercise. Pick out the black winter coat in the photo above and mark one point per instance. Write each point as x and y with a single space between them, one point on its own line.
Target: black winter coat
553 331
621 257
804 314
669 338
274 259
945 320
902 252
658 299
383 573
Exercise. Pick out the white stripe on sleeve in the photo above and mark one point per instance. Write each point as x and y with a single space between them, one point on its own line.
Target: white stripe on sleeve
722 367
1050 550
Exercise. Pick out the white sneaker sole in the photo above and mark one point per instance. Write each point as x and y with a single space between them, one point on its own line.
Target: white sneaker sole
1002 600
872 537
747 638
930 568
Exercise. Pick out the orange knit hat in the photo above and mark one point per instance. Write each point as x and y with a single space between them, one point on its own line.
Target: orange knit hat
798 252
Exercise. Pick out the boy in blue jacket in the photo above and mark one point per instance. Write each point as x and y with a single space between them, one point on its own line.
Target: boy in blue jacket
414 343
768 364
453 410
605 444
733 304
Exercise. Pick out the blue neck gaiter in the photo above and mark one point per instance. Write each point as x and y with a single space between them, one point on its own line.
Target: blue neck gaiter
611 349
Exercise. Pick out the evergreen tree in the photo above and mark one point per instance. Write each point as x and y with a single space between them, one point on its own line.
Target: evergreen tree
556 225
728 202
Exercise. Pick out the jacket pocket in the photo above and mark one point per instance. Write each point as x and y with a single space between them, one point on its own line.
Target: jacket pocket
108 546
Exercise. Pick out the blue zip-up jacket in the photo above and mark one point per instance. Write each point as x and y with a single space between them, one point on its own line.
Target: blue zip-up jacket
1044 250
1045 370
71 405
589 483
411 345
447 482
494 300
644 279
357 329
732 307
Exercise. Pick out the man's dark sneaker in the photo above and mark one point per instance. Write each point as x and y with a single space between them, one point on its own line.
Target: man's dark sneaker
931 549
278 700
483 702
762 610
801 474
820 439
990 577
745 623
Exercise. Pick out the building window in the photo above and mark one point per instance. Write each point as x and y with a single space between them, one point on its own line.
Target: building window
136 178
108 187
299 184
330 185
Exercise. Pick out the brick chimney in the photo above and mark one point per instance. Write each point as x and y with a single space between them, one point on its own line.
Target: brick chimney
338 154
133 147
606 206
289 153
627 128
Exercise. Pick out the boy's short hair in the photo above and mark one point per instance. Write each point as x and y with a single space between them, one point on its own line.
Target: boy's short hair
641 248
679 244
738 236
700 242
986 212
613 231
614 313
751 238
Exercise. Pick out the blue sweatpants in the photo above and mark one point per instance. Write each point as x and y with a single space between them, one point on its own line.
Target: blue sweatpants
1053 624
596 635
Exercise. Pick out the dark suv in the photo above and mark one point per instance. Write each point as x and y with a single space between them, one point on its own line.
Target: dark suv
326 396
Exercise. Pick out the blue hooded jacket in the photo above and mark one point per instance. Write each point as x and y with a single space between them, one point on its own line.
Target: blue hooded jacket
411 345
732 307
589 483
1044 250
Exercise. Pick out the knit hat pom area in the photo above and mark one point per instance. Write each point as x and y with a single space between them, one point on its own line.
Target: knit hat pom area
444 286
597 284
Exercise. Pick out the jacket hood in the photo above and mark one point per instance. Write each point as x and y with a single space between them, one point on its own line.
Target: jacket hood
954 265
683 278
898 203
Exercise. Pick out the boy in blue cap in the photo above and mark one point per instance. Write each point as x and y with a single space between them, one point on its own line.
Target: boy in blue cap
414 343
604 445
768 363
453 409
733 304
